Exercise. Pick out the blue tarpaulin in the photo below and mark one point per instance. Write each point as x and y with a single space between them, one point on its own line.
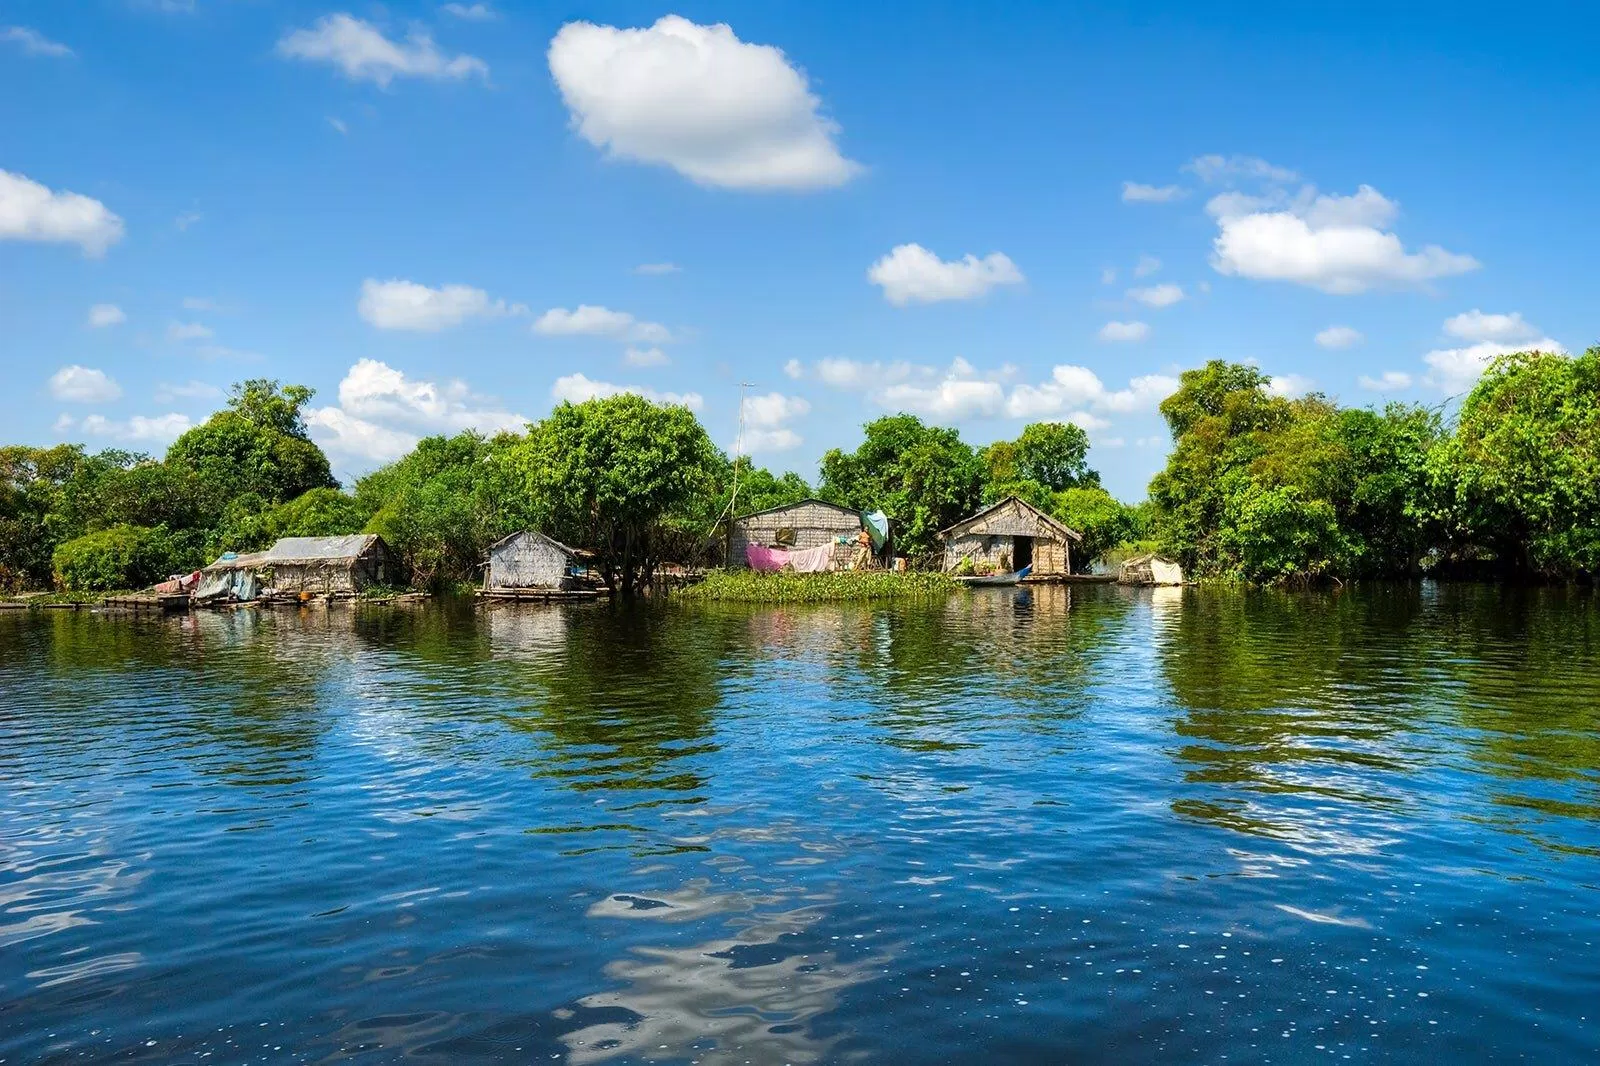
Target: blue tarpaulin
877 524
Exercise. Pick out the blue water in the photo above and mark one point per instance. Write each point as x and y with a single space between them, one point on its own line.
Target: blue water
1087 824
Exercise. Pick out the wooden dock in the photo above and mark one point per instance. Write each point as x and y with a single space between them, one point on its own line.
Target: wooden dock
539 595
148 601
1070 579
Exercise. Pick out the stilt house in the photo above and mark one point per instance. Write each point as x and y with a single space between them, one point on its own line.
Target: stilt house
1008 536
528 560
328 564
796 526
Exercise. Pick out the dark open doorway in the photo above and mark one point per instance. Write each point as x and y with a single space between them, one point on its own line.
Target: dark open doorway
1021 552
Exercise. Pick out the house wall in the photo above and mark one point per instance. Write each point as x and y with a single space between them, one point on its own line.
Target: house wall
376 567
527 562
813 525
991 537
331 576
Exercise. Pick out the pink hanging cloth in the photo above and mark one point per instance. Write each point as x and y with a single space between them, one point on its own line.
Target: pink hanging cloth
765 560
812 560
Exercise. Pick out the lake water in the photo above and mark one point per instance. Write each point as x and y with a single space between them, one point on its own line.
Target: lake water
1089 824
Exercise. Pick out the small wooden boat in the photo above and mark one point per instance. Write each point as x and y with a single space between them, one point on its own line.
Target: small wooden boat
992 580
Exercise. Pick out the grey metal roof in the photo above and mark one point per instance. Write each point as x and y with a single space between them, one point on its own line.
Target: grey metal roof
318 549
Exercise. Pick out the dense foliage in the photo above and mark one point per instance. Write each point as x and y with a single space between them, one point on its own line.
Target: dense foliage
617 474
1268 489
923 477
118 557
1257 487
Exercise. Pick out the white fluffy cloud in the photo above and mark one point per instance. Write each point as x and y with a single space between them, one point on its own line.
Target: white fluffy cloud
382 412
645 357
1075 391
590 320
576 388
1157 295
31 212
959 391
1388 381
766 421
397 304
1134 193
1474 325
139 429
1124 331
34 43
1338 244
1147 265
716 109
1455 370
82 384
470 12
912 274
794 369
189 331
363 53
1339 337
103 315
955 396
1289 386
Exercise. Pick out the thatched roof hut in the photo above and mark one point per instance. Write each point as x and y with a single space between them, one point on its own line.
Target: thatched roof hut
798 526
1150 569
1008 536
528 560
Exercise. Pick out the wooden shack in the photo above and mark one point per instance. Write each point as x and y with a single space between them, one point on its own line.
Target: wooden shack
528 560
325 565
796 526
1150 570
1008 536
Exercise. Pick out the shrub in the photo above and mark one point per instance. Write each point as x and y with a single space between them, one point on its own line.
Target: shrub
120 557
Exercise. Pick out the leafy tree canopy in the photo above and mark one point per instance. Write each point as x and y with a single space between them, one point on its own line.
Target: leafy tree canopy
923 477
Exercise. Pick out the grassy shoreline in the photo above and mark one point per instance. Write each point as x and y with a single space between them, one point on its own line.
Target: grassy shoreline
747 586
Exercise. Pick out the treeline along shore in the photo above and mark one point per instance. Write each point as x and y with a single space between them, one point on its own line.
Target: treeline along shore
1257 488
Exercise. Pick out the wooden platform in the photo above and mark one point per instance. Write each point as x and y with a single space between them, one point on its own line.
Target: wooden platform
148 601
539 595
1070 579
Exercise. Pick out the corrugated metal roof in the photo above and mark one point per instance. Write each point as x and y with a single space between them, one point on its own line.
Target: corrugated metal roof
318 549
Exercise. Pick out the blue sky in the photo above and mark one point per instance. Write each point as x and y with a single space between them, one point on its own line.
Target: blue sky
437 214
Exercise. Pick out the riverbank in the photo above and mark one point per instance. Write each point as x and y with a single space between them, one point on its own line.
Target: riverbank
747 586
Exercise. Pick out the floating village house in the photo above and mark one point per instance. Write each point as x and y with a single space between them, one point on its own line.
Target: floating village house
797 527
1150 570
1008 536
321 565
526 561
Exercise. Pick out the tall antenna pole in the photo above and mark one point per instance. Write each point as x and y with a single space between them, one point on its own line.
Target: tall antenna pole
738 450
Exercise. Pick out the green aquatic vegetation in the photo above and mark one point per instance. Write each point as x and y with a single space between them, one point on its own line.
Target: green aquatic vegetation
748 586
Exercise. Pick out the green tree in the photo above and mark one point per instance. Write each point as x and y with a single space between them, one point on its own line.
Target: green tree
258 446
1104 521
1519 481
614 474
923 477
1055 454
118 557
442 505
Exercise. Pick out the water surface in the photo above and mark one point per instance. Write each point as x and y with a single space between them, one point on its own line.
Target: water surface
1087 824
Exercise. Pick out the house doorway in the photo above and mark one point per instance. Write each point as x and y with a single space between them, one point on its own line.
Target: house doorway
1021 552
